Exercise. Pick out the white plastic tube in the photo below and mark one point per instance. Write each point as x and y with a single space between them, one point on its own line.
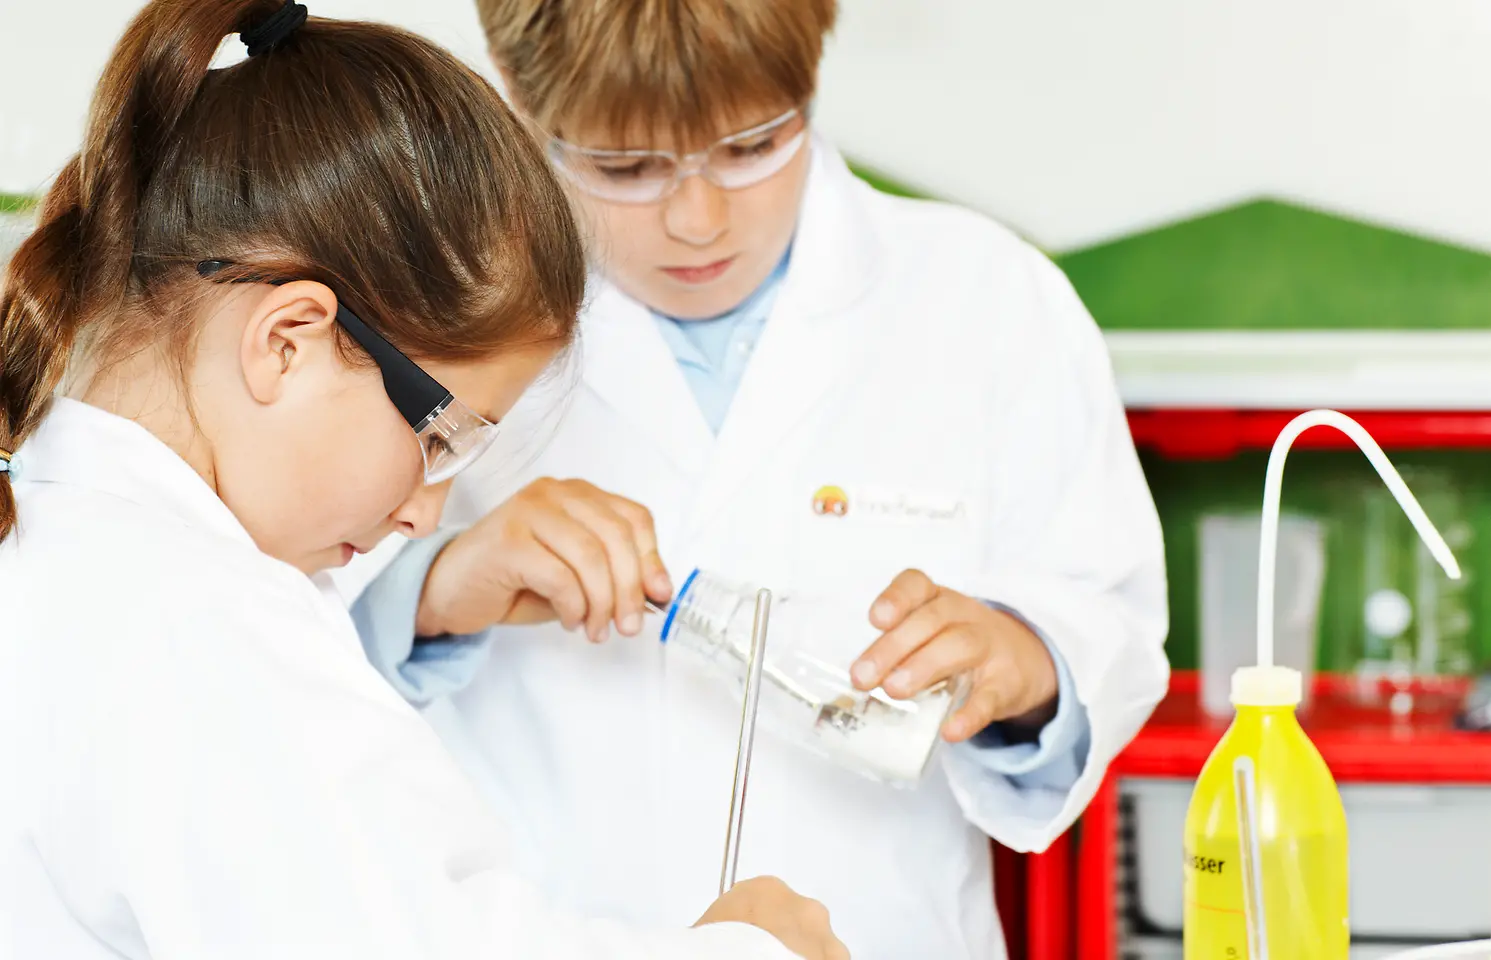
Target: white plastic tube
1273 488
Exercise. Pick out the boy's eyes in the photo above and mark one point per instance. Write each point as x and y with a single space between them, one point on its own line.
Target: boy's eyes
633 169
642 168
753 148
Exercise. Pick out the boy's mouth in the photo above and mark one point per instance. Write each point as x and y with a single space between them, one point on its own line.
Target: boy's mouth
698 275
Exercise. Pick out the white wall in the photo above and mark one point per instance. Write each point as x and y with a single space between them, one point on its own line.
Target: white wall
51 54
1073 120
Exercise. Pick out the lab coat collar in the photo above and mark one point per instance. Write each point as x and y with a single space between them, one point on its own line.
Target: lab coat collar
81 445
631 367
810 342
837 252
836 256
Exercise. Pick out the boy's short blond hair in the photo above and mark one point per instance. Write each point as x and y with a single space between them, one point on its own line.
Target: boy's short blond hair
684 70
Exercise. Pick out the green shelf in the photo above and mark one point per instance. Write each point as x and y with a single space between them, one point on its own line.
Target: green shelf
1328 485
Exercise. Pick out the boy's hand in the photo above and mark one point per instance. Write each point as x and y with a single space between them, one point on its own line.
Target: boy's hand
557 549
933 633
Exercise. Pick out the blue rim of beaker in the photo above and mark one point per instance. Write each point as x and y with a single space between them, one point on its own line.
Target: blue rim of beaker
673 607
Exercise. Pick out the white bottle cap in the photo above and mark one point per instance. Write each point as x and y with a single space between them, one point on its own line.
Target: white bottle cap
1267 687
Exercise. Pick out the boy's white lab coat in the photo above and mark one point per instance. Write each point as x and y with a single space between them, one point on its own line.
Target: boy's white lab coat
945 376
198 761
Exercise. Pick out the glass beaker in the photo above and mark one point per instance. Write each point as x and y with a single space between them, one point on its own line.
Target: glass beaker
1414 623
807 695
1229 600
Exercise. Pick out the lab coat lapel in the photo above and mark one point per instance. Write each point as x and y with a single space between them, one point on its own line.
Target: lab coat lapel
629 367
811 338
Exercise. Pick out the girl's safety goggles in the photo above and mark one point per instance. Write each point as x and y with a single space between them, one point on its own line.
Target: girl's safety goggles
451 435
740 160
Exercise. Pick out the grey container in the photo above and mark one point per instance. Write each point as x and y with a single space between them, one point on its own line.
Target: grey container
1420 857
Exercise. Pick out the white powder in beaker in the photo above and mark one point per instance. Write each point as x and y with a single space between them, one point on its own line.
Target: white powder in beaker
890 743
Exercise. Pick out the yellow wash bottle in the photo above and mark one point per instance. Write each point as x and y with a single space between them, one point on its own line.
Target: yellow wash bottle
1265 834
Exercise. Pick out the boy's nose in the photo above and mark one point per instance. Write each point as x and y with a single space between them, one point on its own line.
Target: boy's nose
697 213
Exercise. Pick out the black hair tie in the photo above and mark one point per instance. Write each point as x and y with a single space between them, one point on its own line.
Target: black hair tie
265 36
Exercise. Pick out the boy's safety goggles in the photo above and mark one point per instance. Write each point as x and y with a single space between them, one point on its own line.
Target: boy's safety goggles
740 160
451 435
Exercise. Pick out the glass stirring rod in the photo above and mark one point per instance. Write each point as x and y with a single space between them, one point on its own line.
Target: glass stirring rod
774 674
745 745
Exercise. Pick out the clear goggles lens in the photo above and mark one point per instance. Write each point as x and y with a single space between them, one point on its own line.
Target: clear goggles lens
646 176
452 438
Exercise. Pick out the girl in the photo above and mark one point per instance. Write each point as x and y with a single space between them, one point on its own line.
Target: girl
291 299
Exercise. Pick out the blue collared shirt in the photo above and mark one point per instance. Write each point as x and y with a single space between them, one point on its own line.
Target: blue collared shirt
713 354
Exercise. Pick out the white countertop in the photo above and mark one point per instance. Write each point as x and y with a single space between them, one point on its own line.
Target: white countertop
1357 370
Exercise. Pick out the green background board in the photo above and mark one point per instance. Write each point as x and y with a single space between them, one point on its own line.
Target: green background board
1272 266
12 203
1268 265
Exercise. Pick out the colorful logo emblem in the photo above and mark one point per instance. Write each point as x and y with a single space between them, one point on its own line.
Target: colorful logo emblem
831 502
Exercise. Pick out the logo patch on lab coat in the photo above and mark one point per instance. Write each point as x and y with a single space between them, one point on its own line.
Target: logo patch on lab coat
870 502
831 501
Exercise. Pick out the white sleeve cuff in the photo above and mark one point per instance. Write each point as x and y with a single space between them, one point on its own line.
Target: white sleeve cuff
1056 759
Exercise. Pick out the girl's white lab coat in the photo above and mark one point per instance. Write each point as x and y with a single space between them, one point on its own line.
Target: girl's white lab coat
199 763
945 376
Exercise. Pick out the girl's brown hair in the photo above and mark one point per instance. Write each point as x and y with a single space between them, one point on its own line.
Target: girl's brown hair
355 154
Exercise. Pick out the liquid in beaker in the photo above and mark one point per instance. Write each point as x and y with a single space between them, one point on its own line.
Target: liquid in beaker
808 694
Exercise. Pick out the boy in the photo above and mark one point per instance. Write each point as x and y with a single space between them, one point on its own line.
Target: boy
765 327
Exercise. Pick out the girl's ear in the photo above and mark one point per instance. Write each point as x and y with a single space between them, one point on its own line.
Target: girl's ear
290 325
